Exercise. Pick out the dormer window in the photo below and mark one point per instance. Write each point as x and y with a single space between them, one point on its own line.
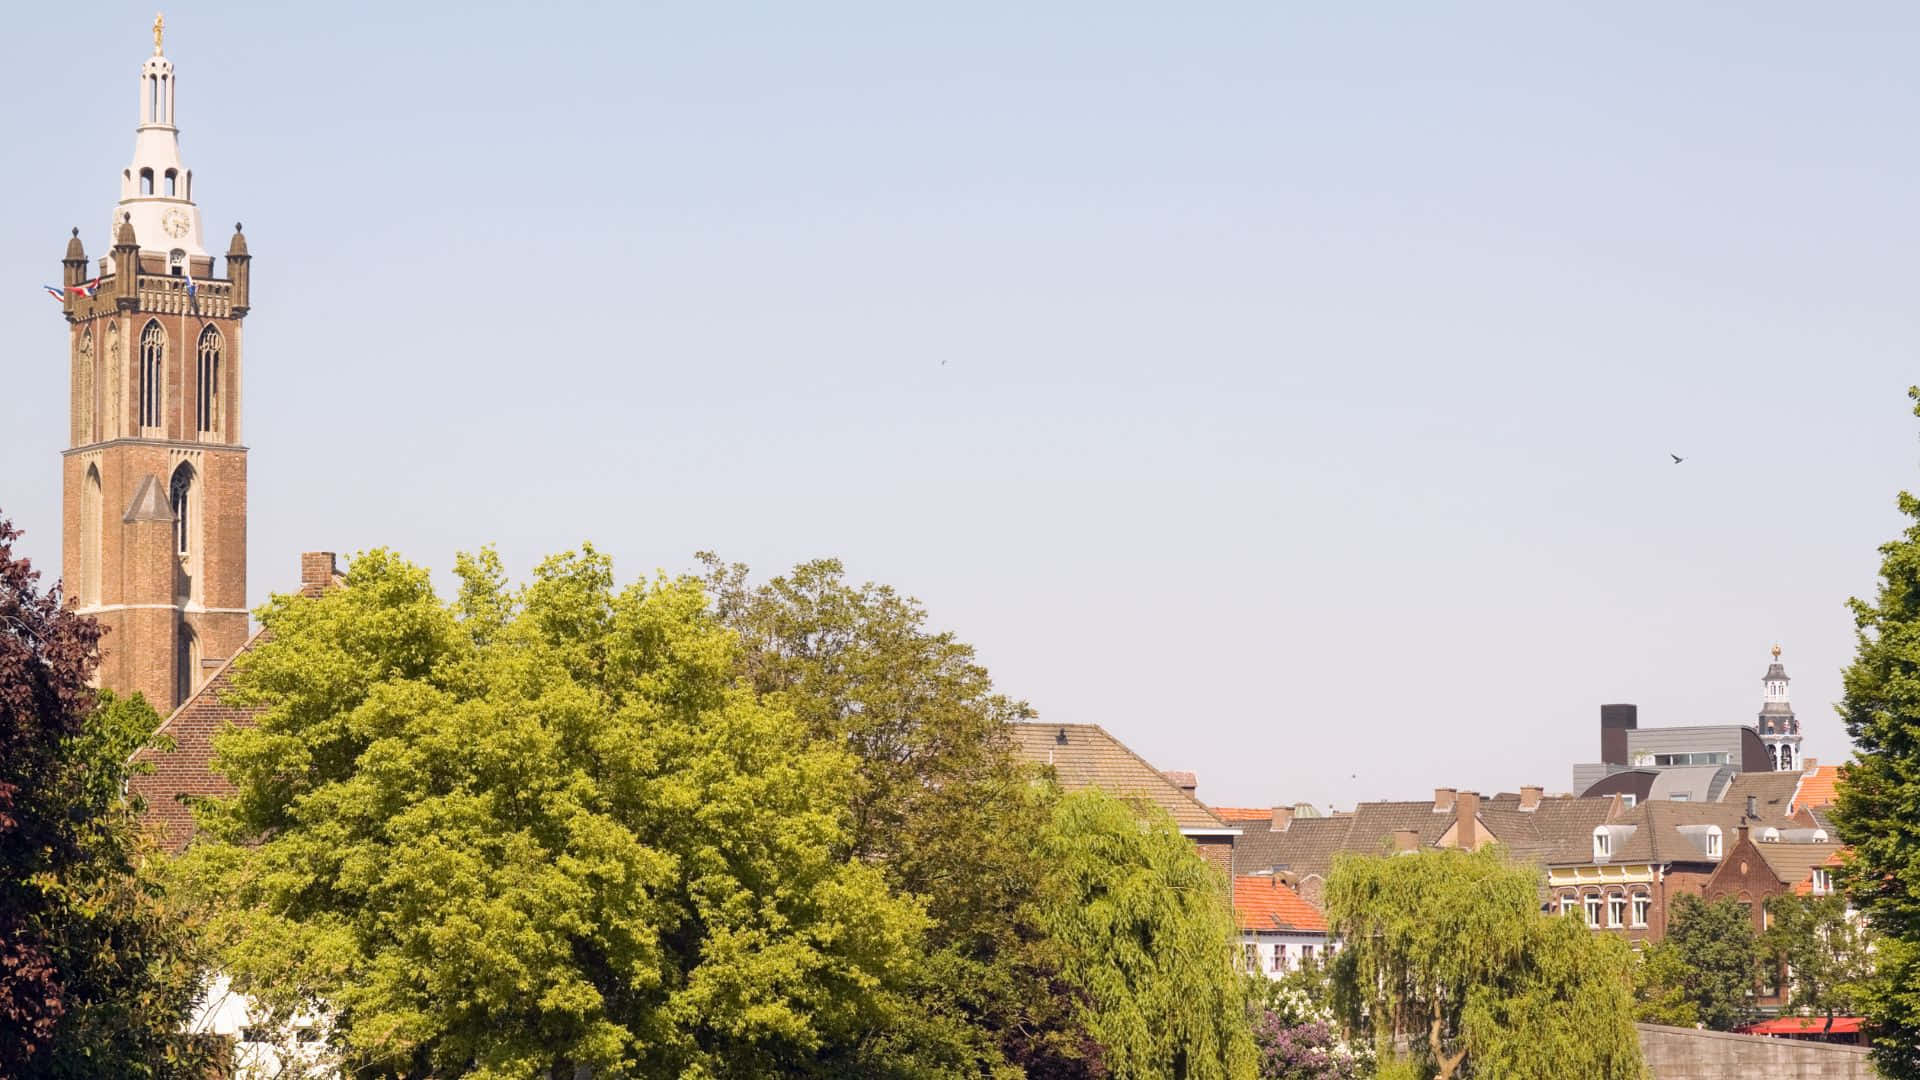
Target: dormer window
1770 835
1713 842
1822 881
1602 843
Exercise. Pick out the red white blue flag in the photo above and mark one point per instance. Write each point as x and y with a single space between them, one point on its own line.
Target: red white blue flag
86 288
57 294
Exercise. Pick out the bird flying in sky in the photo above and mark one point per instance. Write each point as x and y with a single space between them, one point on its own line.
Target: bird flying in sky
1677 459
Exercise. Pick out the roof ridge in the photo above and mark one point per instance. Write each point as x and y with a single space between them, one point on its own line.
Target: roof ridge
205 687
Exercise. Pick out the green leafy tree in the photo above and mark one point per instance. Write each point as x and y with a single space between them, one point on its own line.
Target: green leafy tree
98 974
544 829
1717 944
1875 808
1660 993
1141 925
1449 950
939 802
1828 953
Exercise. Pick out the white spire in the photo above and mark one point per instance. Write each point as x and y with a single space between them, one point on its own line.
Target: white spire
156 189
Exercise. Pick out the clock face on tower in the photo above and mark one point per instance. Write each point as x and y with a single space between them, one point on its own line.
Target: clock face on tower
176 222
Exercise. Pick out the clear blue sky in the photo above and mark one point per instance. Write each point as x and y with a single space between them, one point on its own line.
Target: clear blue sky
1288 390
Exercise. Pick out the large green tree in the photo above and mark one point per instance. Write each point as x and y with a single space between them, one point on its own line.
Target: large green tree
939 801
538 829
1877 811
1141 925
1827 952
98 973
1449 950
1660 993
1717 945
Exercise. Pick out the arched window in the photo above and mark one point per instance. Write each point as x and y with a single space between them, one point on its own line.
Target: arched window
153 356
211 348
187 666
153 99
91 518
146 181
180 499
172 179
83 390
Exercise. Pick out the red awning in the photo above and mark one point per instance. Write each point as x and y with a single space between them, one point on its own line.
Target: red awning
1804 1025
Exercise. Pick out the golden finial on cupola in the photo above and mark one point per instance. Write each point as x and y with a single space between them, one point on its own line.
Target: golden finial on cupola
1776 650
159 30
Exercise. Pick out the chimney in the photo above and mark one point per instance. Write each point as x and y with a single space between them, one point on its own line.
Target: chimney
1753 808
317 571
1405 840
1530 796
1466 826
1282 817
1183 780
1442 799
1809 764
1615 722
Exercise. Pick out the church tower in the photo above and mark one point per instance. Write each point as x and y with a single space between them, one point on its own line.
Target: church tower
155 474
1778 727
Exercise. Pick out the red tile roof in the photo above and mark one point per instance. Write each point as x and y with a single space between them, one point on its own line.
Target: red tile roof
1804 1025
1234 815
1817 787
1264 902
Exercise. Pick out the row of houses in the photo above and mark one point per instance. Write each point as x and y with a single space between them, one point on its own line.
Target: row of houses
1615 861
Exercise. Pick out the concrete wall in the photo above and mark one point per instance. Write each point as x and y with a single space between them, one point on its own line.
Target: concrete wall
1688 1054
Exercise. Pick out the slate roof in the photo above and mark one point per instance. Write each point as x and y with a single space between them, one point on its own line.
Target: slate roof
1091 758
1264 902
187 770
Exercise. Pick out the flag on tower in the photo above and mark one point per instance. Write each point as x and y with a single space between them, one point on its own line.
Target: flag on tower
57 294
86 288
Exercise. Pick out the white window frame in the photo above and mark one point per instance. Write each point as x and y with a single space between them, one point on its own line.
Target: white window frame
1602 843
1616 910
1713 843
1592 904
1642 907
1279 959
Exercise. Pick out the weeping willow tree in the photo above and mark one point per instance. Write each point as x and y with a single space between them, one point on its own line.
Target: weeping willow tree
1449 952
1143 934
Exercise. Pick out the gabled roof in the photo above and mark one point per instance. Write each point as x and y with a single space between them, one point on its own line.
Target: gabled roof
1090 758
1794 864
1772 791
1307 847
1264 902
187 769
1665 832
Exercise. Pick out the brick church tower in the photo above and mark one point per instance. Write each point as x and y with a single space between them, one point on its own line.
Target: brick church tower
155 477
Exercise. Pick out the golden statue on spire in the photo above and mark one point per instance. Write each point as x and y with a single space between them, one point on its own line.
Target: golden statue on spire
159 28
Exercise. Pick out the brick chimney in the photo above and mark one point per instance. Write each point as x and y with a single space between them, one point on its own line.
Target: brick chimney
1530 796
1406 840
1442 799
1466 826
317 572
1282 817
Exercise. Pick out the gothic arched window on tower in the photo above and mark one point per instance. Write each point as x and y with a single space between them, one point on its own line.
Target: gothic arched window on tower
180 499
172 178
92 517
146 181
153 356
83 389
211 348
186 666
